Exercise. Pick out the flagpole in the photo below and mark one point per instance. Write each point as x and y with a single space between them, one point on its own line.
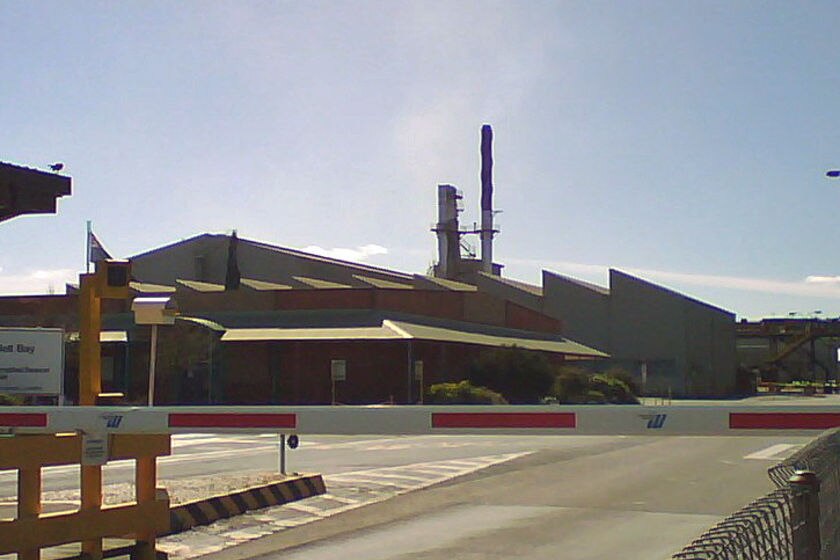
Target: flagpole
87 249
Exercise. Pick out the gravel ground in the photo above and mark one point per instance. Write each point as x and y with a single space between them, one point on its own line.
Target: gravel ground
180 490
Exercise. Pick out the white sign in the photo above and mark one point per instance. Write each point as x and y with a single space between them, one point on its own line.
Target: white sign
31 361
94 449
338 370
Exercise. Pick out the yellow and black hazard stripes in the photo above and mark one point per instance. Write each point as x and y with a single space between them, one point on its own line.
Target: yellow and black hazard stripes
208 510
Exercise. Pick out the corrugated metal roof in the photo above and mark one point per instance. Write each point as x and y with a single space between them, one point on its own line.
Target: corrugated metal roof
379 283
262 285
395 330
352 333
559 345
447 284
318 283
201 286
146 288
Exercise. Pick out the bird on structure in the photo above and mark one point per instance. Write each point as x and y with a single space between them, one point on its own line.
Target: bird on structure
57 167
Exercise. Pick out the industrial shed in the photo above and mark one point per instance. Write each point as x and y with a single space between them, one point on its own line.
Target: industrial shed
273 336
671 343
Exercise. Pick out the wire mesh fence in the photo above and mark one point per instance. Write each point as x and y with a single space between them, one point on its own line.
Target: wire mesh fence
800 520
763 529
822 457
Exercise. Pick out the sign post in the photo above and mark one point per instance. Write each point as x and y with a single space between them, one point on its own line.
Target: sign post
338 372
418 376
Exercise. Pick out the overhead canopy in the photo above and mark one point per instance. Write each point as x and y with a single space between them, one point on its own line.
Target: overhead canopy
396 330
29 191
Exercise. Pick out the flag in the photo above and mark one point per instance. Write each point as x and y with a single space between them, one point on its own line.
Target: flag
96 252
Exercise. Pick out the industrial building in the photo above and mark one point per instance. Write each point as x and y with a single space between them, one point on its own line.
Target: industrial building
261 323
789 349
668 342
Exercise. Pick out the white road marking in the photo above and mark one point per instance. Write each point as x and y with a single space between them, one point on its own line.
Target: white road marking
774 452
389 476
341 499
376 485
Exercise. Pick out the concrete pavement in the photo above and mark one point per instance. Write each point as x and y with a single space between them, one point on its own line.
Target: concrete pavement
631 498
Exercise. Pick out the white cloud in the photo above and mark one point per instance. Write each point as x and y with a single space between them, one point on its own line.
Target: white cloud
358 254
37 282
823 280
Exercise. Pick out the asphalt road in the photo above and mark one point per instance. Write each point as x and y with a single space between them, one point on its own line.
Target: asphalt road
207 454
633 497
575 497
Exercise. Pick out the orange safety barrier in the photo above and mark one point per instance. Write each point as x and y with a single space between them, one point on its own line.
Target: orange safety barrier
33 530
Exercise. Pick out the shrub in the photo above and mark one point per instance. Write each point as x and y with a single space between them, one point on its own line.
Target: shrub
576 386
613 389
10 400
463 392
521 376
622 375
571 385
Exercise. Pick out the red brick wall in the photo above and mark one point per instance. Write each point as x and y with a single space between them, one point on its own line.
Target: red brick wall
376 370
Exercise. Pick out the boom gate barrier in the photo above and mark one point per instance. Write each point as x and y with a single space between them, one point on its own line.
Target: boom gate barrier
411 420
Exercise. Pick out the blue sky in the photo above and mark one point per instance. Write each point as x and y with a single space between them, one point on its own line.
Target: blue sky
685 142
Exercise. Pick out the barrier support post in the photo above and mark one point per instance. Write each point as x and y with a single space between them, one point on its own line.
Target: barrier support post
90 325
283 454
145 477
91 500
806 515
29 503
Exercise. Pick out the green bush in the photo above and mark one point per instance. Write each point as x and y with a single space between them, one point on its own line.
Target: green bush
10 400
574 385
463 392
571 385
521 376
614 389
622 375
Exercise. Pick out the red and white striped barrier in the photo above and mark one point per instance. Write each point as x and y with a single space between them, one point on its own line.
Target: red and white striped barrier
395 420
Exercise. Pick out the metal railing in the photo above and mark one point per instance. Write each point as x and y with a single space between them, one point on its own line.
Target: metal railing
797 521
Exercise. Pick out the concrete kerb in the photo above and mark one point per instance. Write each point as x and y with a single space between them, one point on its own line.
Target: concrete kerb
208 510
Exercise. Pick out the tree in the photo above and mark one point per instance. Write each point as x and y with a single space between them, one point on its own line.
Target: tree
521 376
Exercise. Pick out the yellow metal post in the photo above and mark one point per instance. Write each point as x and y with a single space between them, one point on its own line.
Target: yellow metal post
109 281
145 480
29 503
90 372
91 501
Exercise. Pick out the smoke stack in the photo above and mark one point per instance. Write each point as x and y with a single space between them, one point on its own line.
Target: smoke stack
487 199
447 232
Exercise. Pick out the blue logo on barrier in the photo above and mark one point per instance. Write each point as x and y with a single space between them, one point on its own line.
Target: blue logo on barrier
112 420
654 421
